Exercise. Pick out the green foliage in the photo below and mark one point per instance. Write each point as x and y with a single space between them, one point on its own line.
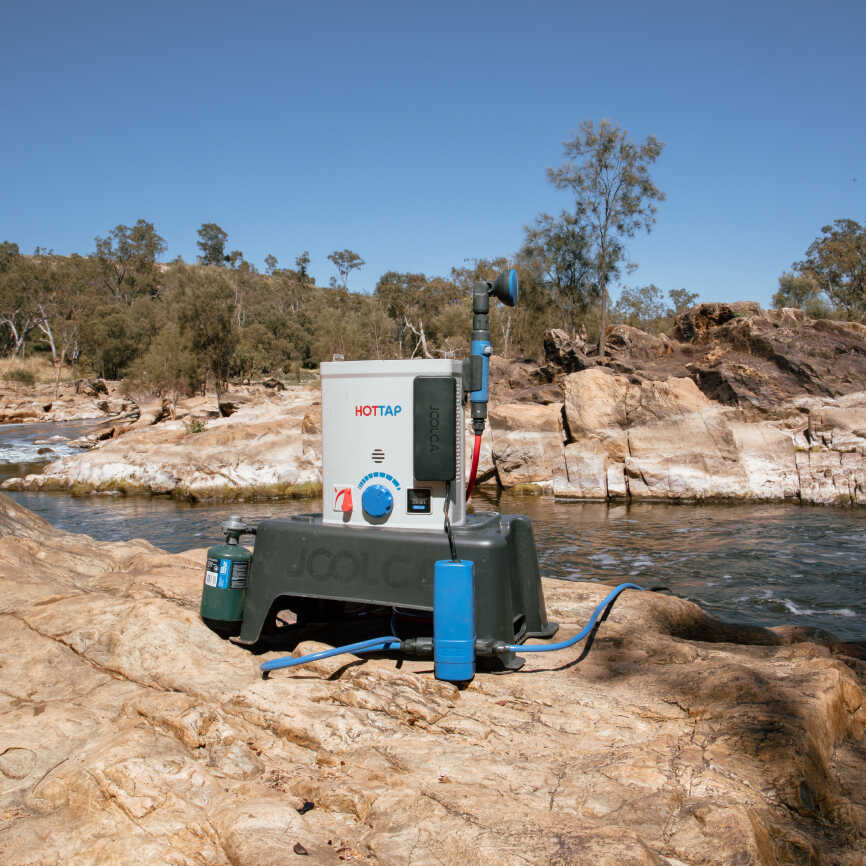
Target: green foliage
641 307
212 243
614 196
196 425
682 299
169 367
8 253
558 251
836 262
113 337
345 261
127 259
206 318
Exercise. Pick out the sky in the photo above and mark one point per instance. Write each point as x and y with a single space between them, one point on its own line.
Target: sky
418 135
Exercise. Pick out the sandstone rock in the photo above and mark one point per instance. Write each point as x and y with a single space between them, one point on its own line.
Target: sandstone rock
666 440
695 324
567 352
132 734
94 387
262 450
636 345
526 442
20 404
522 382
584 472
230 403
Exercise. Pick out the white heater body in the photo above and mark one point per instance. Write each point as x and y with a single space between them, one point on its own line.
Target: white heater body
380 429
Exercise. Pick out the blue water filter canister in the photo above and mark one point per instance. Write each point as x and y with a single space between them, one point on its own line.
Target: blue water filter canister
454 620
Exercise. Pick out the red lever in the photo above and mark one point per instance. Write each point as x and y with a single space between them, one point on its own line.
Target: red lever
346 494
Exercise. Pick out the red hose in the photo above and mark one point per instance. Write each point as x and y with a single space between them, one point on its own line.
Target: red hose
476 453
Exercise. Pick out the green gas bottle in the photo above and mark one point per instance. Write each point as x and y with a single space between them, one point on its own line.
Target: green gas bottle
225 580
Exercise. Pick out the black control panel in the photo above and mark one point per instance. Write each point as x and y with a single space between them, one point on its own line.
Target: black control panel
418 501
434 427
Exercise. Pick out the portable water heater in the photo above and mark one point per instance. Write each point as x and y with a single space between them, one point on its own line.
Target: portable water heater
394 531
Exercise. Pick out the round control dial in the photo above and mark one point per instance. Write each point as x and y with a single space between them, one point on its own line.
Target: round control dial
377 501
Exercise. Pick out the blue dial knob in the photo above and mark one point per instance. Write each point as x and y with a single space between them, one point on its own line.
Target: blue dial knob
377 500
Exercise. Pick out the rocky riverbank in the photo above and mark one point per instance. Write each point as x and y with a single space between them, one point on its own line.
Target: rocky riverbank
259 443
71 401
132 734
741 405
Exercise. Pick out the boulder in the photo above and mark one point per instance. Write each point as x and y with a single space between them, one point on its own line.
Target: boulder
526 442
566 352
650 440
273 384
695 324
636 345
132 734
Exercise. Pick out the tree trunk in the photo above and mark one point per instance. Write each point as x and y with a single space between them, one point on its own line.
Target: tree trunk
506 332
45 327
602 337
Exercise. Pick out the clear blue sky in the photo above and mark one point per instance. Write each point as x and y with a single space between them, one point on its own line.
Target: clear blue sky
418 134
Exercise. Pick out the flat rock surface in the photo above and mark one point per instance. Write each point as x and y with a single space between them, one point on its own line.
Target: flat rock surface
130 733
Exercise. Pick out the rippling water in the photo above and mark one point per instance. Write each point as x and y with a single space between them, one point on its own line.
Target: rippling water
25 448
759 564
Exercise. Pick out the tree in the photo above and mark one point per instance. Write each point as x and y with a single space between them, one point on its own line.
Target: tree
8 253
212 243
558 250
270 263
641 307
345 261
60 305
302 263
614 197
796 290
206 319
682 299
19 287
836 261
127 257
235 259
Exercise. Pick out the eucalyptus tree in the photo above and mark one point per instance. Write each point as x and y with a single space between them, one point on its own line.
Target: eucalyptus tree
212 242
836 263
127 258
614 195
345 261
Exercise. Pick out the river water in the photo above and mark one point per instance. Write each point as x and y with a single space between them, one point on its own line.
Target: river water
756 564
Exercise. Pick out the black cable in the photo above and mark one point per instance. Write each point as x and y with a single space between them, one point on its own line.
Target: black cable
448 530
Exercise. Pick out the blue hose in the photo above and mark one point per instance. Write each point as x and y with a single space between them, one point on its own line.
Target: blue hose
564 644
377 644
372 645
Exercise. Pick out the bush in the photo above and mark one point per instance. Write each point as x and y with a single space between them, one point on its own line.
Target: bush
197 425
21 375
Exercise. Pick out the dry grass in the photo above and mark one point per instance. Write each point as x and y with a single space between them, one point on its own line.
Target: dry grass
40 369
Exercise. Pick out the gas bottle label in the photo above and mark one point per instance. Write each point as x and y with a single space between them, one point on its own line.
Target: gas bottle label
211 572
239 575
